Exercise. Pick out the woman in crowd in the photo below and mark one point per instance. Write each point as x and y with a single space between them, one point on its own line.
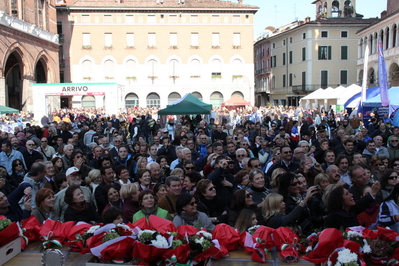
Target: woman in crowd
149 206
130 195
242 199
258 187
44 205
79 161
210 203
395 164
160 190
60 181
188 166
18 172
114 200
317 207
144 179
375 162
58 164
95 177
113 215
242 179
105 161
388 181
188 214
274 214
245 220
342 209
78 209
389 210
190 182
179 173
275 157
275 178
122 174
141 164
163 163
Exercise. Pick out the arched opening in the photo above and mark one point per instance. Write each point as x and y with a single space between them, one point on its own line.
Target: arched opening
40 72
87 70
195 68
258 100
109 69
89 101
382 39
131 100
153 100
371 44
394 34
237 67
238 93
360 79
348 8
173 97
131 69
394 75
387 39
325 9
216 99
371 76
335 13
13 79
198 95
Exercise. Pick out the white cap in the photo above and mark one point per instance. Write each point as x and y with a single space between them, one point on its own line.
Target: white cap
72 171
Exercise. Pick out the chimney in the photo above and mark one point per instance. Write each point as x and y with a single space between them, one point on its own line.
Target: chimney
307 19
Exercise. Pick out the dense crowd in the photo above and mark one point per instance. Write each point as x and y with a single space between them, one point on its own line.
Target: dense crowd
274 166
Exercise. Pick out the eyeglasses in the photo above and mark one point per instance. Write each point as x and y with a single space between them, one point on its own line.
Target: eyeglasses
44 140
394 140
18 164
189 168
294 184
381 164
256 166
204 138
241 155
211 188
30 144
393 177
287 152
193 203
395 164
248 195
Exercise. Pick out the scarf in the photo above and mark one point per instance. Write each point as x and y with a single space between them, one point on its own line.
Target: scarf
152 211
189 219
79 207
297 198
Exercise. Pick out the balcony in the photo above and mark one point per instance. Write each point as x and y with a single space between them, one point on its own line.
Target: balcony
311 87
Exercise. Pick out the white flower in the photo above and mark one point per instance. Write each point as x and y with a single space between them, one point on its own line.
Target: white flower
353 234
93 229
124 226
253 228
199 240
145 231
346 256
160 242
366 247
309 248
204 234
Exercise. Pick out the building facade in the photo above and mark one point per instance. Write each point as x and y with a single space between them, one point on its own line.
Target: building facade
387 31
28 49
308 55
158 50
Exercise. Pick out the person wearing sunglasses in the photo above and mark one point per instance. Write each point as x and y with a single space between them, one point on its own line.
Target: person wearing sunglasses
242 199
223 179
388 181
187 213
285 161
209 202
393 147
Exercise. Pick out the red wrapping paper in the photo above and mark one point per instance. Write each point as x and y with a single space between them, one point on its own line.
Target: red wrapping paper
95 240
263 242
181 252
58 230
31 228
119 251
184 230
216 252
227 236
147 253
247 242
155 223
8 234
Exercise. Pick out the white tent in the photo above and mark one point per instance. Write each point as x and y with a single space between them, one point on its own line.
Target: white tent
348 93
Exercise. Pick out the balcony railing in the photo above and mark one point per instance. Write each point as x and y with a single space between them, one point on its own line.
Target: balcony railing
311 87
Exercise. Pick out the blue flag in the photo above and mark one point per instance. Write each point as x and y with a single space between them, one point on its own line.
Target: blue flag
382 76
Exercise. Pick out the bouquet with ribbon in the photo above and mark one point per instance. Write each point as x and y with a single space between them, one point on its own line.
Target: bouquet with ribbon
179 250
54 232
117 243
78 236
345 257
262 243
31 228
287 242
203 247
384 246
156 223
227 236
150 245
8 231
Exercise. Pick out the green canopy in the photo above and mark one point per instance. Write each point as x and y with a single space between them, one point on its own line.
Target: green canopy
188 104
6 110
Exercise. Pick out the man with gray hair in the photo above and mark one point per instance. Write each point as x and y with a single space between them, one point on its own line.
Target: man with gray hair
155 172
179 158
173 186
66 158
185 155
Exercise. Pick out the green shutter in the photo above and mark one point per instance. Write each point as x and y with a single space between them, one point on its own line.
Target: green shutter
329 52
344 52
319 52
303 54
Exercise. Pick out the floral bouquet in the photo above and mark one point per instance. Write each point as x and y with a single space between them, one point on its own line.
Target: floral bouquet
384 246
262 243
161 225
78 236
54 232
8 231
203 247
227 236
246 240
358 237
150 245
31 228
344 257
311 241
117 243
179 250
287 242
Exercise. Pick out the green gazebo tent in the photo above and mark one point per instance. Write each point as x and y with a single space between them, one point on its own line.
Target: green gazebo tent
188 104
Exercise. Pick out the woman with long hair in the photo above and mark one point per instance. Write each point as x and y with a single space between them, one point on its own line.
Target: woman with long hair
257 186
245 220
242 199
18 172
58 164
111 193
388 181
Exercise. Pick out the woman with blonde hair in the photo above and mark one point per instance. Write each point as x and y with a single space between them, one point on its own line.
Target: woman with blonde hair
275 178
273 210
130 194
95 178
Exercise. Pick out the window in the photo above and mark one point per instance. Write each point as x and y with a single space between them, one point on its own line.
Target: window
324 52
216 99
283 42
236 39
236 19
131 68
216 67
344 77
194 39
173 68
274 45
130 39
194 19
303 80
304 36
152 39
274 61
173 39
324 79
85 19
195 68
290 39
290 80
108 39
303 53
284 81
131 100
153 100
173 97
87 69
324 34
86 39
107 19
344 52
152 69
129 19
89 101
173 19
344 34
151 19
283 59
215 39
237 67
290 57
215 19
109 69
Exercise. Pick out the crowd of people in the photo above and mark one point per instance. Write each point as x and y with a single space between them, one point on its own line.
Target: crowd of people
303 169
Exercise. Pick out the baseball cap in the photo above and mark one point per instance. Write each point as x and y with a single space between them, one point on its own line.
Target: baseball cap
72 171
31 131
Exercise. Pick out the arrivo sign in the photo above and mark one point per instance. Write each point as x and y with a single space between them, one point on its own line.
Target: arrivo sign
74 88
